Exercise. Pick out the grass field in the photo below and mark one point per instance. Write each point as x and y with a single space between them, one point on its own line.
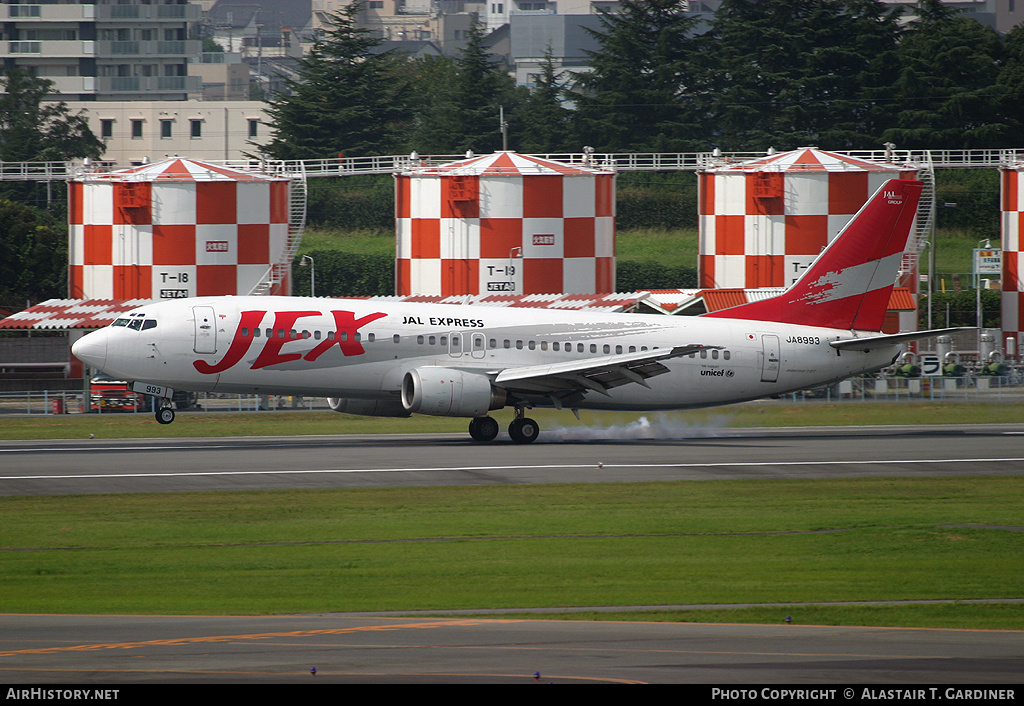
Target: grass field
522 547
672 248
779 542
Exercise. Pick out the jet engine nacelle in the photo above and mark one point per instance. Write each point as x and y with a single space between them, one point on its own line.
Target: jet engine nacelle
369 408
444 392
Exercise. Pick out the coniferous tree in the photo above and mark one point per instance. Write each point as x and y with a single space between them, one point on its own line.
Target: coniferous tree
481 86
542 124
347 98
432 83
947 93
787 74
643 92
457 101
1010 84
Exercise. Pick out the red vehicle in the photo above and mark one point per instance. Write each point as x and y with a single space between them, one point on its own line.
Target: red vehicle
109 395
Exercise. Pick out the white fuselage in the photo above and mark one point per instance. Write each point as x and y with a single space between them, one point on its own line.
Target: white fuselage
359 349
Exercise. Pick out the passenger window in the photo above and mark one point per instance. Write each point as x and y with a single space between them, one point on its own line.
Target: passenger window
714 354
607 348
432 340
396 338
726 355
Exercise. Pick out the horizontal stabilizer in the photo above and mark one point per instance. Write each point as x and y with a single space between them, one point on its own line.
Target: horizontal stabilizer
871 342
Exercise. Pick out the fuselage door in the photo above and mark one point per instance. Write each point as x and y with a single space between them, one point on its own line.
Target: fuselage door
770 359
455 343
479 349
206 329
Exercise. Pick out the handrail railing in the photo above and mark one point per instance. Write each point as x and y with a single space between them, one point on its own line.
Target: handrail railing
619 161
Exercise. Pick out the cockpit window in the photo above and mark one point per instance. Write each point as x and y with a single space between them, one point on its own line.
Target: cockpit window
136 324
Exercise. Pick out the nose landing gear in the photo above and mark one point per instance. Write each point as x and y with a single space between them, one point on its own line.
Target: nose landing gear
164 411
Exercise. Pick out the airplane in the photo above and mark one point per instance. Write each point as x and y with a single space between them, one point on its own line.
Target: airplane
397 359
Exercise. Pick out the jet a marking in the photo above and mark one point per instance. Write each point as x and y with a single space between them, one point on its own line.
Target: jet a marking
442 359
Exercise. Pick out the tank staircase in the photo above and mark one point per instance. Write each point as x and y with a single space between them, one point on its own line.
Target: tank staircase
280 271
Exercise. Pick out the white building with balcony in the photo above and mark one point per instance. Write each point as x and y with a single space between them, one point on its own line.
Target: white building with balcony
104 49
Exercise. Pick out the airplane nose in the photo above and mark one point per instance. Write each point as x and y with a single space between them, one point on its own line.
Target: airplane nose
91 349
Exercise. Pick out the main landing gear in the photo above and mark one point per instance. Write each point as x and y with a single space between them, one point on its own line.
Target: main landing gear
164 411
523 430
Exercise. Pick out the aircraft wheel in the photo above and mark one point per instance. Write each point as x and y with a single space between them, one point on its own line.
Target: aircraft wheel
483 429
165 415
524 430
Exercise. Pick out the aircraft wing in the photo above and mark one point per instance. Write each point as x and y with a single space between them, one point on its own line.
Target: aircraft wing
870 342
559 381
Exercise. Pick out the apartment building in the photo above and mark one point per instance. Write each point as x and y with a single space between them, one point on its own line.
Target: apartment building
104 49
134 131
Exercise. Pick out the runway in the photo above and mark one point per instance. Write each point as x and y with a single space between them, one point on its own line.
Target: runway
105 650
50 649
174 465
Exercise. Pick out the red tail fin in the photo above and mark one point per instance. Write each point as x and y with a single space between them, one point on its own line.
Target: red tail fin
848 285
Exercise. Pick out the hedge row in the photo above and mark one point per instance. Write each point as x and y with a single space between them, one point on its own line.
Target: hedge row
341 274
368 203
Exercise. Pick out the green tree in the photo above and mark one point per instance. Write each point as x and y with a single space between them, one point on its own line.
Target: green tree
33 254
33 129
947 94
347 98
787 74
642 91
432 80
1010 84
542 123
458 100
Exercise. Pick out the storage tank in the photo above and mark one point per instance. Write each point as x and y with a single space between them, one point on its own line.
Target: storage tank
178 228
1012 295
763 221
505 223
